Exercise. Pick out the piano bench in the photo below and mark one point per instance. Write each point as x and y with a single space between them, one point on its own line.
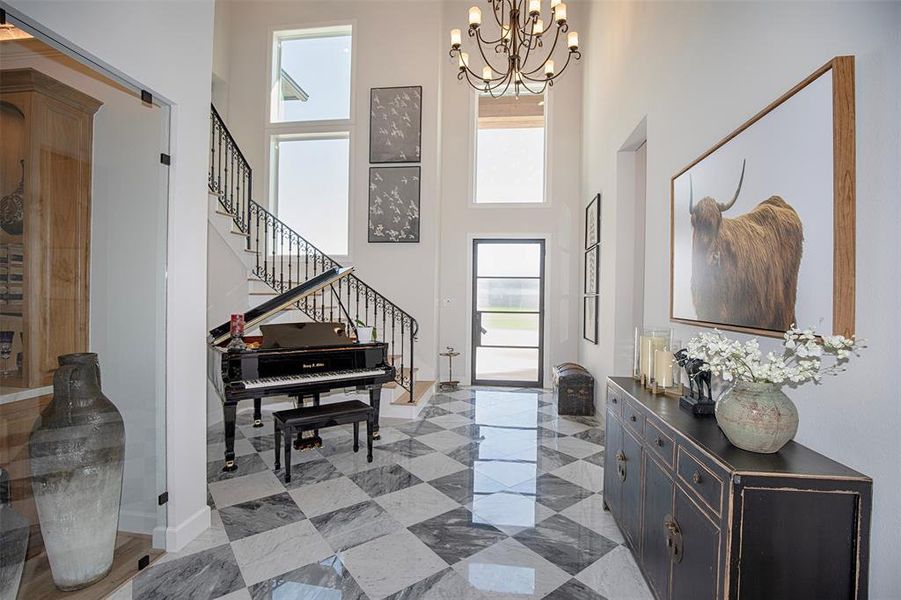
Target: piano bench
309 418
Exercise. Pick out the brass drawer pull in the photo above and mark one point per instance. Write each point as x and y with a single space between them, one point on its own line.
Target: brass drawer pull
658 441
613 399
633 418
696 477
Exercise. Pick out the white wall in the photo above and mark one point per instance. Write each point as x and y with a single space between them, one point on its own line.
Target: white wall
127 268
404 273
696 71
168 48
558 221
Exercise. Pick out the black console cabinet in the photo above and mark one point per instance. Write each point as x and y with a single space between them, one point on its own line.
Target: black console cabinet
708 521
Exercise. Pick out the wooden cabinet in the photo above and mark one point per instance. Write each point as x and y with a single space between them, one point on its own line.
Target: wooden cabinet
45 223
708 521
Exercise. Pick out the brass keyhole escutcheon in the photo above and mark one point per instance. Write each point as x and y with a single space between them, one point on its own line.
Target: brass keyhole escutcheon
696 477
658 441
621 465
673 536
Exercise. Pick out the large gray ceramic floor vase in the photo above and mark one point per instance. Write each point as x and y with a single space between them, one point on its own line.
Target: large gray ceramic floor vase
757 417
14 530
77 452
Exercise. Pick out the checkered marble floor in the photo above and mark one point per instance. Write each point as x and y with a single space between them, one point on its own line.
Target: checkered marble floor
488 495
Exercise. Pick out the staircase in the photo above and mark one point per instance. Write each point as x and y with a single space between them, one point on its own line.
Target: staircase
278 258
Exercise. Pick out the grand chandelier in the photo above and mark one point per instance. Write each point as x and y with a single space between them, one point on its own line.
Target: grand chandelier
522 39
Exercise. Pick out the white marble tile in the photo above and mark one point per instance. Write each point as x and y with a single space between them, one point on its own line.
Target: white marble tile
433 466
279 550
509 569
390 563
457 406
591 514
508 473
388 435
443 440
326 496
508 512
417 503
241 489
217 450
237 595
616 577
123 593
565 426
573 446
586 475
213 536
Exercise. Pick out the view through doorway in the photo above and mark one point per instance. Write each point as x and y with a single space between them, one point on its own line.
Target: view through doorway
508 312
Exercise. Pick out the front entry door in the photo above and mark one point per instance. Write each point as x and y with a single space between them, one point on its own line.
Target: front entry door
508 312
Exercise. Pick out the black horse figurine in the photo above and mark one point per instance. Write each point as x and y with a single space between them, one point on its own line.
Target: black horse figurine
698 378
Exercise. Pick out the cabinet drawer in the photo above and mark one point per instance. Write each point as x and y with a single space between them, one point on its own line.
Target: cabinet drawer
633 417
660 444
700 480
615 401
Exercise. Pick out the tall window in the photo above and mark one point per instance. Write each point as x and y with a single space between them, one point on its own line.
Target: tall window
510 154
310 130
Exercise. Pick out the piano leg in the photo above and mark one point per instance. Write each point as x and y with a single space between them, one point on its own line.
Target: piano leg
314 441
229 410
375 397
257 412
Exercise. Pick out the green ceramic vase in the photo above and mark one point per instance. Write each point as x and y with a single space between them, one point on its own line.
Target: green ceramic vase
757 417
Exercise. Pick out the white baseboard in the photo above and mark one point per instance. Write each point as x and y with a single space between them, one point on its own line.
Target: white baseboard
178 535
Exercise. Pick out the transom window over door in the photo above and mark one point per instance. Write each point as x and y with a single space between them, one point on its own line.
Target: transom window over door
311 131
510 149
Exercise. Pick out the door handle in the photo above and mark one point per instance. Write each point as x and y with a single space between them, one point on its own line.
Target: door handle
621 465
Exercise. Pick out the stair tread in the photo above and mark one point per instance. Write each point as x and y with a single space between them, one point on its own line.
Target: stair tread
420 388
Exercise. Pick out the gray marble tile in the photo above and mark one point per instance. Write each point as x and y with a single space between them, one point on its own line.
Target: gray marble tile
550 459
418 427
552 491
457 486
596 459
466 455
433 411
543 433
327 579
325 496
257 516
574 590
444 440
384 480
565 543
450 421
417 503
263 443
217 449
593 435
458 406
340 445
444 585
473 431
409 448
271 553
208 574
454 535
590 420
252 463
354 525
308 473
216 433
391 563
510 570
432 466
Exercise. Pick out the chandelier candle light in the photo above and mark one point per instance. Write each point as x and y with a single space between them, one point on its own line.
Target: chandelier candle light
522 40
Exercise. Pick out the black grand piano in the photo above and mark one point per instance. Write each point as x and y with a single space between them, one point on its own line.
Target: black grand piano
293 359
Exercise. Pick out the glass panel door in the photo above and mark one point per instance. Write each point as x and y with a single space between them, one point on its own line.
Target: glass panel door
508 312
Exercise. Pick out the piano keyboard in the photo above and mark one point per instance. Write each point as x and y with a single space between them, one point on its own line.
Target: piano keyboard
312 378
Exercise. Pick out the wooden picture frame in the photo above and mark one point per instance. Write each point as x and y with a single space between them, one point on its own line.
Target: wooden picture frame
406 147
593 222
841 70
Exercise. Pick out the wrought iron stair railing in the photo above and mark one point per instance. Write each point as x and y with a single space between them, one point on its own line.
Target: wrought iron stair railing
283 258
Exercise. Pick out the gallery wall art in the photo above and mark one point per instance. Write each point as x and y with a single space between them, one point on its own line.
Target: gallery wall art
395 124
592 222
590 274
762 225
394 204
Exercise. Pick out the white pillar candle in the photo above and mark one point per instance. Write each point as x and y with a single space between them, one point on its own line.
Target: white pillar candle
455 38
538 27
649 344
475 16
663 368
549 68
534 7
555 3
560 12
572 39
486 73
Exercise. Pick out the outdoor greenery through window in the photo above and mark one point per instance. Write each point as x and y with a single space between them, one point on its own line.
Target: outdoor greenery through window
510 141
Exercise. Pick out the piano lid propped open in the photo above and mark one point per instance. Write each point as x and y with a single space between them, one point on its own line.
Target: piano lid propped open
257 316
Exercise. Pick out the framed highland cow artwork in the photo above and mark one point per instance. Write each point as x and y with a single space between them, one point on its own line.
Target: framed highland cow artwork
762 224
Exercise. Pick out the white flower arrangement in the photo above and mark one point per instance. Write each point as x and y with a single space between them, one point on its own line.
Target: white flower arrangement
801 359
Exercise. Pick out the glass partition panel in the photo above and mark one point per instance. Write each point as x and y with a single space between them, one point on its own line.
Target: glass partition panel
83 217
